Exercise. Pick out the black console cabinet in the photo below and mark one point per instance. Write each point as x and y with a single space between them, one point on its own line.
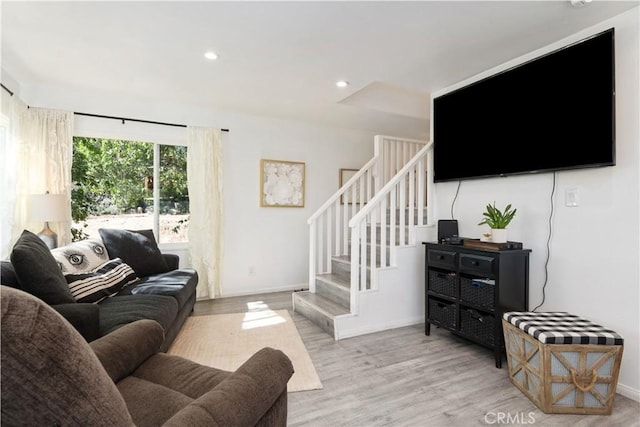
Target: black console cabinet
467 290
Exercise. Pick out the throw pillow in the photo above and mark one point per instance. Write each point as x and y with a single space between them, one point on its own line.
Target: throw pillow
136 248
105 281
37 270
81 257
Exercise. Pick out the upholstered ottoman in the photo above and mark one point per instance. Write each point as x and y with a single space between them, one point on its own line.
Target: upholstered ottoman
563 363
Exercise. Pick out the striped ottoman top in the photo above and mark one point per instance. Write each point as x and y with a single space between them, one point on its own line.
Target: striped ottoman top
562 328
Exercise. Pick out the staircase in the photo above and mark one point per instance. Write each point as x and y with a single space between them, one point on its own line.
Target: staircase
384 203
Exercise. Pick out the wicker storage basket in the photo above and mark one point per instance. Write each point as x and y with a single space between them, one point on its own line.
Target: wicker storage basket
443 312
478 325
569 378
442 282
476 291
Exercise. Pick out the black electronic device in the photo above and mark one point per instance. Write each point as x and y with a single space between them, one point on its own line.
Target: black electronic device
453 240
554 112
447 228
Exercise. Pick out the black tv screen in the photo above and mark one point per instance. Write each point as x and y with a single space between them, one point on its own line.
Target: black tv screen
555 112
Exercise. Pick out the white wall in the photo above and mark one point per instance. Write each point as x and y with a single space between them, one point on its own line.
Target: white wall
273 241
594 257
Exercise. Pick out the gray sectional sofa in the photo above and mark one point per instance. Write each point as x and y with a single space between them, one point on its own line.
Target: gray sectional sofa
102 284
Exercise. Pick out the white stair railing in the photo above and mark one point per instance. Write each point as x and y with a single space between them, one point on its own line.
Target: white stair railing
328 226
404 192
397 170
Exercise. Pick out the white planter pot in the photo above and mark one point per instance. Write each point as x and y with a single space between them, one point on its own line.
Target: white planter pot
499 235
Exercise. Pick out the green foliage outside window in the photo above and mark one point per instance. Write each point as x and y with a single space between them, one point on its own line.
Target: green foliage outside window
116 177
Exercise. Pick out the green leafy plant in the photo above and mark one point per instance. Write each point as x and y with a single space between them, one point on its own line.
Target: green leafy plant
495 218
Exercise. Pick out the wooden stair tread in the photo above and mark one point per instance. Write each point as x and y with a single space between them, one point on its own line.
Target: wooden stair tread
323 304
342 258
335 279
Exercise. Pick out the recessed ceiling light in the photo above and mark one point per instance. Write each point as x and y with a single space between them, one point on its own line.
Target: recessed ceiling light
580 3
342 83
211 55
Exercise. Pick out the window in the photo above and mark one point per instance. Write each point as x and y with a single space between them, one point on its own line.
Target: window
129 185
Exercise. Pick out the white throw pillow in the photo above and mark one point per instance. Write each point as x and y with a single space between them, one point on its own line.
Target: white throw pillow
105 281
82 256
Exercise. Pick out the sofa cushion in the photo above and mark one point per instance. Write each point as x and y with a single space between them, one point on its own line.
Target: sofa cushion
81 257
38 271
180 284
122 309
136 248
8 275
104 281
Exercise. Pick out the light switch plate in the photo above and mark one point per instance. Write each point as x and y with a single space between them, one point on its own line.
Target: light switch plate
572 197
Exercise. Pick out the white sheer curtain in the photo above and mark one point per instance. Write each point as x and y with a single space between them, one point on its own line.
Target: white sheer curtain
37 159
12 108
204 175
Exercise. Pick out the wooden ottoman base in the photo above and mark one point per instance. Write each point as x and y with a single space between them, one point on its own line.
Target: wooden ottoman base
563 378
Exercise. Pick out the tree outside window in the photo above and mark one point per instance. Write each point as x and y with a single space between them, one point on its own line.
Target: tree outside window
115 187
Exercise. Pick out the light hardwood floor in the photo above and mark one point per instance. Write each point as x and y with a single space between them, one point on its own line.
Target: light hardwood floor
401 377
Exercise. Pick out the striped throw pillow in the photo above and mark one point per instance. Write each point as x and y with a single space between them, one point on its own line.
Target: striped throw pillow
104 281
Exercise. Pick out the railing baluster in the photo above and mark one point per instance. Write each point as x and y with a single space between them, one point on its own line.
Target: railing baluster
363 255
354 205
355 271
345 225
411 202
392 228
372 243
421 192
403 207
329 235
312 256
383 233
369 180
321 261
339 231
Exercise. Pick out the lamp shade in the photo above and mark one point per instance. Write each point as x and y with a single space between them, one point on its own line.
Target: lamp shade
48 207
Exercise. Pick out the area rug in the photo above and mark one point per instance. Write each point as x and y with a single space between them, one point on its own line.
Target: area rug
226 341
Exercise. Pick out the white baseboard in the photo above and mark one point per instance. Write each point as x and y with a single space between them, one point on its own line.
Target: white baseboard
628 392
289 288
370 329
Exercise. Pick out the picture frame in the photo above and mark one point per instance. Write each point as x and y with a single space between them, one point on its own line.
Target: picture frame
282 183
345 175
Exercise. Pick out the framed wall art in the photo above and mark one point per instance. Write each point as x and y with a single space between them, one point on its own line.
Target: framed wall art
281 183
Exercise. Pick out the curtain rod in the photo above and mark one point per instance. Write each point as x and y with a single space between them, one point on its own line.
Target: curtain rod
7 89
123 119
136 120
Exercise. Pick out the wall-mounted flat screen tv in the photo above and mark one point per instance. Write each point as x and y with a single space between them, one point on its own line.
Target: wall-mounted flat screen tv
555 112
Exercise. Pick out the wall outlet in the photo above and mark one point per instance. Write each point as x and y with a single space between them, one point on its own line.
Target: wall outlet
572 197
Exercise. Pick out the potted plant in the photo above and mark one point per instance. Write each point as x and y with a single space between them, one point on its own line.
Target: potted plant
498 221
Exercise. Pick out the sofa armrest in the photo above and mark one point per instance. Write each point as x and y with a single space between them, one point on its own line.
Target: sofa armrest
172 260
85 317
244 397
124 349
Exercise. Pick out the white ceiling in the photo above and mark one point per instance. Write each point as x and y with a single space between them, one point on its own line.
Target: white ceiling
282 59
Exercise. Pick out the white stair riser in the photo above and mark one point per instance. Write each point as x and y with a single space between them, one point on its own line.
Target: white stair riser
343 270
331 291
